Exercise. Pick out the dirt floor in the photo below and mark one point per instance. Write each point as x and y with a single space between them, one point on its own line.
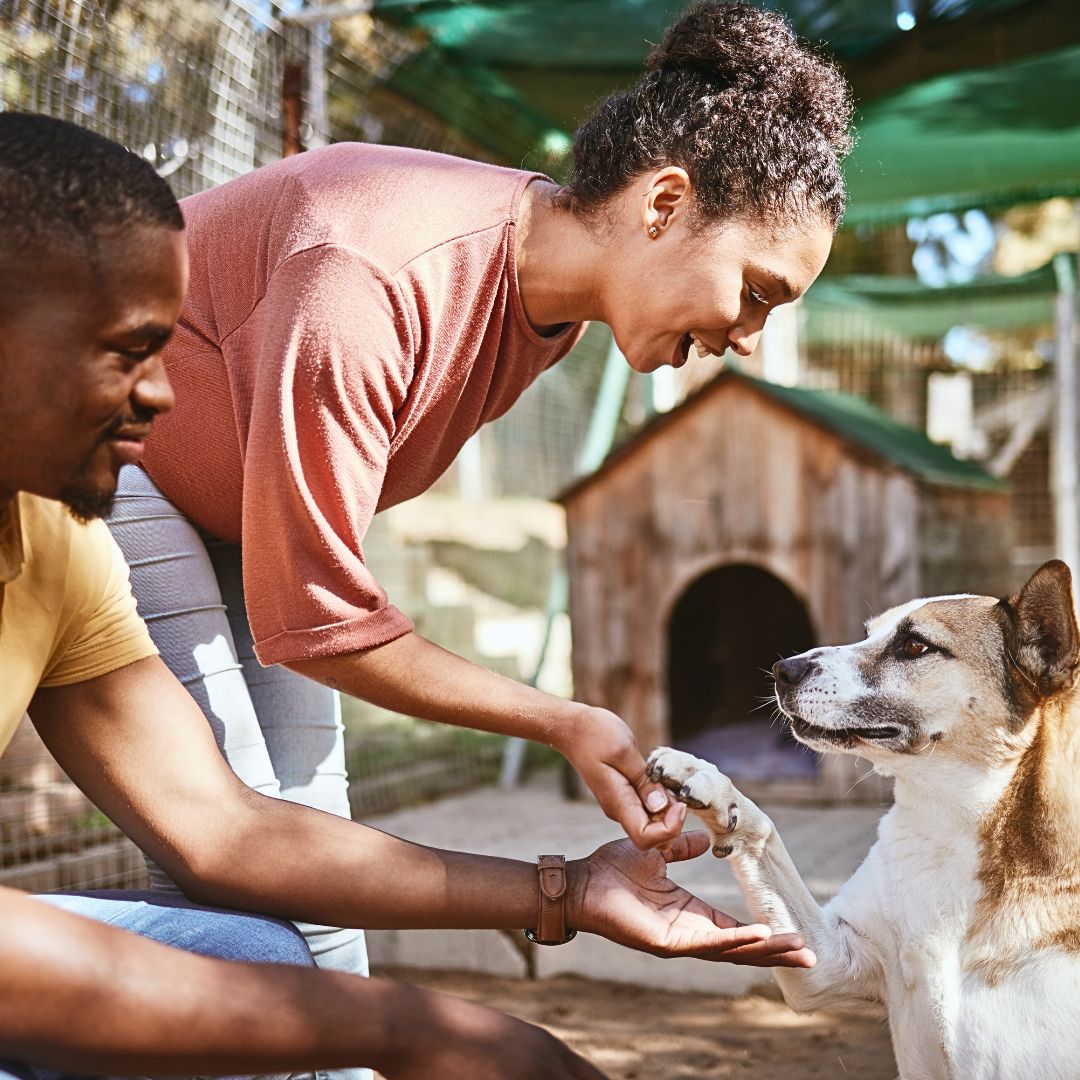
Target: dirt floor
636 1034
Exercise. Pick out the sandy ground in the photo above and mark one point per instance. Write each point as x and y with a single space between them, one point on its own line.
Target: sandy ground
633 1033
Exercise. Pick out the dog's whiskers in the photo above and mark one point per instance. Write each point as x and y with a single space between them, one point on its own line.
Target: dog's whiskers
931 743
865 776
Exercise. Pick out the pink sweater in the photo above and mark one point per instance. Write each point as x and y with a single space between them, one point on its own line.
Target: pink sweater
353 318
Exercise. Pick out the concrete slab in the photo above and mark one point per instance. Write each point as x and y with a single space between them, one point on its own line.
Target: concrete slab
827 844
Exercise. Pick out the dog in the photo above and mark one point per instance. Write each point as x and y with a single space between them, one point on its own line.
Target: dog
964 918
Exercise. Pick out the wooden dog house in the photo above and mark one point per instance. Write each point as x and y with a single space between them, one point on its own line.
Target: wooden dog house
752 522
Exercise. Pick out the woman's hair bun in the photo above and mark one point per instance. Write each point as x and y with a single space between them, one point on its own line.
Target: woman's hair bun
730 43
738 47
759 120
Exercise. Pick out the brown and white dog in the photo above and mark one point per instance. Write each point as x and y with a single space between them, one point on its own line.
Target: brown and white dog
964 919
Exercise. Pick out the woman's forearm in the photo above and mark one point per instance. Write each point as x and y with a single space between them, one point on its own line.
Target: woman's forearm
412 675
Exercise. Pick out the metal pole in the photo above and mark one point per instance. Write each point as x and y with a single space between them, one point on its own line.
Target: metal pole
1064 458
604 421
318 19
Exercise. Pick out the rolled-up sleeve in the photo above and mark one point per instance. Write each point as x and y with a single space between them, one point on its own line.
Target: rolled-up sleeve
334 348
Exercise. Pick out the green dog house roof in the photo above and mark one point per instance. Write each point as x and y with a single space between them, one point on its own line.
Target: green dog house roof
854 420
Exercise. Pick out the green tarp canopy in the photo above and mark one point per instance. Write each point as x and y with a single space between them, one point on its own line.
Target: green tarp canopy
981 138
903 307
938 129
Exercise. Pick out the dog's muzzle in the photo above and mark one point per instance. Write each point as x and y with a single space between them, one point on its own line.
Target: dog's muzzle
886 732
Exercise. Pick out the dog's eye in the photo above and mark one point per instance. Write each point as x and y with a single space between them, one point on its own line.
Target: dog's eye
913 647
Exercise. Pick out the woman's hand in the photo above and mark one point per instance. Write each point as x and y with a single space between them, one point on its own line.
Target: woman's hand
602 749
626 896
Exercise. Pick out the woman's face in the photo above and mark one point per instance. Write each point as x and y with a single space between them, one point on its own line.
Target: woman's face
667 285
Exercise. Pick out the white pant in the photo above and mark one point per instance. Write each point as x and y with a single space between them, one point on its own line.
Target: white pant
280 732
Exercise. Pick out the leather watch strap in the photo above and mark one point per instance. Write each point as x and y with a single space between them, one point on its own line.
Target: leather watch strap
551 915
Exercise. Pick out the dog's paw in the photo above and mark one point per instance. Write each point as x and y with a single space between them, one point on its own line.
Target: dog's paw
734 822
697 783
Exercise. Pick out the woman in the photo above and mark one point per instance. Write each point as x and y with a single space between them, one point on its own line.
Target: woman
356 313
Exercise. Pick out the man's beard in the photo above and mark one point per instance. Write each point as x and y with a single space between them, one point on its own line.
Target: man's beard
80 494
85 501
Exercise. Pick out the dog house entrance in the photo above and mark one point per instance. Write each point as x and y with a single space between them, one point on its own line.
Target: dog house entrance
726 632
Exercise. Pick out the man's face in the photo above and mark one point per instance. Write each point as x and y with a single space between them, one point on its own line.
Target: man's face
81 376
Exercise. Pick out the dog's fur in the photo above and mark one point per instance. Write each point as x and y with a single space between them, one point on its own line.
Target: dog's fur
964 919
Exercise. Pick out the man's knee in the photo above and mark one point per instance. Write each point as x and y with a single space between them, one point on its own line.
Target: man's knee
171 919
246 938
270 941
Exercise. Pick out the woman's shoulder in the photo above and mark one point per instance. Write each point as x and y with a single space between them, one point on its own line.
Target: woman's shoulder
395 202
389 204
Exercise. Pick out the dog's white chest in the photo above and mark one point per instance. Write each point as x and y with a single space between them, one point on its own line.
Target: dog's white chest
947 1021
915 904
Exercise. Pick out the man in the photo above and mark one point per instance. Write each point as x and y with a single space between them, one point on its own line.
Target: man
93 266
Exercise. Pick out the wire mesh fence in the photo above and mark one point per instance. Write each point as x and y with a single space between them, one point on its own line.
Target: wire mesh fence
208 90
51 835
199 87
194 87
980 381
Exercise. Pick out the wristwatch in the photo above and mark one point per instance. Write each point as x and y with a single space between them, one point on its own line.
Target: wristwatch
551 917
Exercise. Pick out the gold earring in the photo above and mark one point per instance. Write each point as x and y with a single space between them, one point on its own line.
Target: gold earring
652 230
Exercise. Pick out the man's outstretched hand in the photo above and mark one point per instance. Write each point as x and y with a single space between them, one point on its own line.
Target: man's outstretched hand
625 895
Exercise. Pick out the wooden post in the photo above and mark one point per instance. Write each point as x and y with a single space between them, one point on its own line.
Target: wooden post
292 110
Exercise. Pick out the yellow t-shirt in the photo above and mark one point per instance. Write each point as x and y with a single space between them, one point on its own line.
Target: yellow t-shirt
66 609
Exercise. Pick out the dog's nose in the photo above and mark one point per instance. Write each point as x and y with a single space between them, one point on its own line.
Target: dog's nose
792 671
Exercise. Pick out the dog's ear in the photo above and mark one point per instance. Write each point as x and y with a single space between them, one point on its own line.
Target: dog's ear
1046 640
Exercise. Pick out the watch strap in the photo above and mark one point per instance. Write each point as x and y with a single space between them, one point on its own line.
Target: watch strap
551 908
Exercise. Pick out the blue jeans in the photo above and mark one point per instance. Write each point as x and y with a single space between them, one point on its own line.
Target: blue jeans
171 919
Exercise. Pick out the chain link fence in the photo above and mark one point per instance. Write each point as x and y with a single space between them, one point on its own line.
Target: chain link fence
208 90
1004 371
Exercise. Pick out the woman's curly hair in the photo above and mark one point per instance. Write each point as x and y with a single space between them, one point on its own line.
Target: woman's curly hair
758 120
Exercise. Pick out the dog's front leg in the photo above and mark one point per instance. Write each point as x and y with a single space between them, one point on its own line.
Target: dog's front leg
846 973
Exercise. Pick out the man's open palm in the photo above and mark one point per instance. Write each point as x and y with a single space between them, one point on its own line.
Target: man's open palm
627 896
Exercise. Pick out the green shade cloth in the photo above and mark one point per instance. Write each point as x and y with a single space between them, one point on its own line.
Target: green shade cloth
906 308
615 35
982 138
517 76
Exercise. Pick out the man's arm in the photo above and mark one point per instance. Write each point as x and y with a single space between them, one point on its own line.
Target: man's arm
91 999
411 675
138 745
